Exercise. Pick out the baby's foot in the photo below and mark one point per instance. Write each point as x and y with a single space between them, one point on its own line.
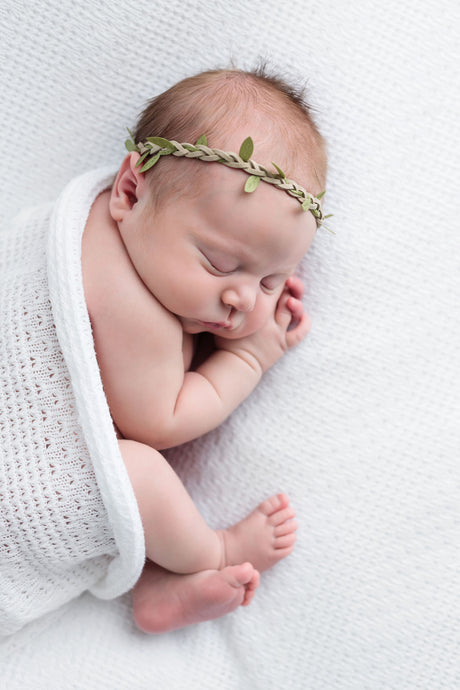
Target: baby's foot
165 601
263 538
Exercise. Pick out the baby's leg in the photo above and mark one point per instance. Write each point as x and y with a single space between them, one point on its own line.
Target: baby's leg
164 601
177 537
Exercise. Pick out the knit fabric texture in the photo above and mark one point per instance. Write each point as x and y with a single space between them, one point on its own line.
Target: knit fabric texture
57 537
359 424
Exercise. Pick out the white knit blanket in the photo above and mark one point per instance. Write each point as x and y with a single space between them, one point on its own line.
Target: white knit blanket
360 424
68 516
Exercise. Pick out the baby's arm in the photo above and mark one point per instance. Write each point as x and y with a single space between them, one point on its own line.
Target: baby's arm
169 408
231 373
237 366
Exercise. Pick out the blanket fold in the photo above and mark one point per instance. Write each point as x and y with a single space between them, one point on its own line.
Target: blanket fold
68 516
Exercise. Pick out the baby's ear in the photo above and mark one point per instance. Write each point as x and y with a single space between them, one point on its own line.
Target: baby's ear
128 187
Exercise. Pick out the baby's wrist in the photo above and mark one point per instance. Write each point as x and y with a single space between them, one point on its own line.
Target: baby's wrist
251 360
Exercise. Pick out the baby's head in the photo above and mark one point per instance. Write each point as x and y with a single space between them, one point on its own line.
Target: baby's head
227 106
212 255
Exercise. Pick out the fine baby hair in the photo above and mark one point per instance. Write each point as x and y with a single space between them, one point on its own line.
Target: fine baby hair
206 107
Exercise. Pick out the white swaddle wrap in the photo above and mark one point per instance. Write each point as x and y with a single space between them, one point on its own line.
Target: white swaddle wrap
359 424
68 516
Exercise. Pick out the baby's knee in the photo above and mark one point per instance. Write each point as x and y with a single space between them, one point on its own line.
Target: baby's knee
137 455
142 463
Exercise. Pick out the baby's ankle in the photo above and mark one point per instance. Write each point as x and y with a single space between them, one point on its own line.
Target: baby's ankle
224 555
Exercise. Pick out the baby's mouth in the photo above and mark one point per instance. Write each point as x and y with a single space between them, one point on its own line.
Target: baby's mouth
226 325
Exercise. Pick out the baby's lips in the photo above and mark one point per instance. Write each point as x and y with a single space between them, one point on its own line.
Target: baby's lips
217 324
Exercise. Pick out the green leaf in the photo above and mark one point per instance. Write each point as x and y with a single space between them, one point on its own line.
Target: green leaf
306 205
163 143
189 147
251 183
320 195
142 158
281 174
150 163
202 141
246 149
130 145
329 215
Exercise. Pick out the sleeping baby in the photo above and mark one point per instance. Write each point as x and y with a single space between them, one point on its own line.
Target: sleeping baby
140 311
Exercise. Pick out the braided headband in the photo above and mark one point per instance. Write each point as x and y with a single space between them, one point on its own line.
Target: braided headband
154 147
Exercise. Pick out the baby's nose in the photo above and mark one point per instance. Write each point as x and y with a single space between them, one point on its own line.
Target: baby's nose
241 299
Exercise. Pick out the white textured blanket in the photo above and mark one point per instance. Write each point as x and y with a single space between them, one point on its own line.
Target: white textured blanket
68 516
360 424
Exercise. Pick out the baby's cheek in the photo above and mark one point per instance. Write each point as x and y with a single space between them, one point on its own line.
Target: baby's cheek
264 312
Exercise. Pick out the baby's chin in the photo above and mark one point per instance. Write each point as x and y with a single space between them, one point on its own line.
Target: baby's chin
194 328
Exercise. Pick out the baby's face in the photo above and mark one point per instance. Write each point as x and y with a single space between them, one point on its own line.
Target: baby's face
219 261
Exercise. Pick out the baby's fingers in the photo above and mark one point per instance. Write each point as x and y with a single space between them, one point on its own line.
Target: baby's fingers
295 306
295 286
291 317
283 313
298 332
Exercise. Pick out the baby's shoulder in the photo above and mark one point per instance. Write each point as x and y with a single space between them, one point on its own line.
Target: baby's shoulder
123 312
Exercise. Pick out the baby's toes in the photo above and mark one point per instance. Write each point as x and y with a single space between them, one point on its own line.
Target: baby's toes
285 542
274 504
281 516
286 528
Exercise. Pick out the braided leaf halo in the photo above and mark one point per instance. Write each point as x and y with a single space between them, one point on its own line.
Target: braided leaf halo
153 148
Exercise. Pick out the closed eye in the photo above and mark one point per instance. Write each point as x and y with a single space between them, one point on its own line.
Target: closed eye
272 283
220 265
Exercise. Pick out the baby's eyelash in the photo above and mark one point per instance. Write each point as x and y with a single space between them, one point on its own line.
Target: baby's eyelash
275 283
215 268
266 288
218 270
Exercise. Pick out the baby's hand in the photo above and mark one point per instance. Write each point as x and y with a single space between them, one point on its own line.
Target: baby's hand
285 329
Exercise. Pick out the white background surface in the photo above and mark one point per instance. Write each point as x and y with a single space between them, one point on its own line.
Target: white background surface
360 425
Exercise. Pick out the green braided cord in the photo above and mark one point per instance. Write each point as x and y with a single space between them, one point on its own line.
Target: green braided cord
153 148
